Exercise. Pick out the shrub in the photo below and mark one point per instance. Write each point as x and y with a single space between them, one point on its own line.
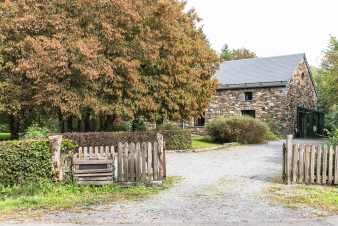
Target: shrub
22 161
122 126
174 137
177 139
139 124
333 137
5 136
270 136
331 118
25 161
35 131
168 126
241 129
4 127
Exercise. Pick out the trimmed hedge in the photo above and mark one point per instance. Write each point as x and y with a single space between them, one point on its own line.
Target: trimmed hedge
177 139
241 129
109 138
5 136
174 139
23 161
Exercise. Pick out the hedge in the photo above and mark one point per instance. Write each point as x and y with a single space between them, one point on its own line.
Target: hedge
177 139
5 136
24 161
174 139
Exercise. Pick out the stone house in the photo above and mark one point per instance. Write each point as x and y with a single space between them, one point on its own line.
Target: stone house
278 90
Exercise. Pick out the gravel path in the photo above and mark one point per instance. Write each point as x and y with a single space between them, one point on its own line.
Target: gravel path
220 188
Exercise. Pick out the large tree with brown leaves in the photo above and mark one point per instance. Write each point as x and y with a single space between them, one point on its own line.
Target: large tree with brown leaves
105 58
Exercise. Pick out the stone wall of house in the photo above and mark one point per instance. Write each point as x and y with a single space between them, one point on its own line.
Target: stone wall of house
277 106
269 104
301 93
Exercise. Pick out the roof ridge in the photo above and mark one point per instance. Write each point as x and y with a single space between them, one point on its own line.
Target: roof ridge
258 58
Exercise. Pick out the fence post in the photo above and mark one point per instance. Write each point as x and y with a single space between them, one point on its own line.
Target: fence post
55 144
161 151
288 158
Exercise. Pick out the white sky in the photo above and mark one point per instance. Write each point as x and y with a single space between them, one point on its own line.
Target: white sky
270 27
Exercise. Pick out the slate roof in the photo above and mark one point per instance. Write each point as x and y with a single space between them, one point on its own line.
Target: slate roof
258 72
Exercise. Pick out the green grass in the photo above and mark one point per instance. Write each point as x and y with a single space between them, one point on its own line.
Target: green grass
5 136
294 196
48 196
202 142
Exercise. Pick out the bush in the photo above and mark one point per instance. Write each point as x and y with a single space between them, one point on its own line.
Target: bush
4 127
35 131
241 129
174 137
139 124
5 136
177 139
270 136
22 161
333 137
26 161
122 126
168 126
331 118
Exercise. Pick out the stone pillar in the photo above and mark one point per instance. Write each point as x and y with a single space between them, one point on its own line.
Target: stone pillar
55 144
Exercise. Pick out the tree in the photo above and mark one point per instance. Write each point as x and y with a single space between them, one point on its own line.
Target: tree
236 54
243 53
96 61
329 73
326 79
226 53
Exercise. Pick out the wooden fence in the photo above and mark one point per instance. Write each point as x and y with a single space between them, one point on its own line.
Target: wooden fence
310 163
128 163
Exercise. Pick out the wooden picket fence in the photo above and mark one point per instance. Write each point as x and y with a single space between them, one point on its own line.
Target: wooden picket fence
310 163
128 163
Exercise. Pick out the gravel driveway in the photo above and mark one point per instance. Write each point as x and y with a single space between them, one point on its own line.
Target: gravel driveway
223 187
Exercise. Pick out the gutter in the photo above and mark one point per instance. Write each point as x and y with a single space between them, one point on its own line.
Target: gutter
253 85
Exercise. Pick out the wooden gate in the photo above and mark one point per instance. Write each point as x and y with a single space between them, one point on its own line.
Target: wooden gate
94 165
128 163
310 163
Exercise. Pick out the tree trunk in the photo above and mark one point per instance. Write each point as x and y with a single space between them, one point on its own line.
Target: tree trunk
70 124
61 124
87 121
102 121
109 123
14 124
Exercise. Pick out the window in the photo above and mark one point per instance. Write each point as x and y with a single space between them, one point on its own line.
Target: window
303 75
250 113
200 121
248 96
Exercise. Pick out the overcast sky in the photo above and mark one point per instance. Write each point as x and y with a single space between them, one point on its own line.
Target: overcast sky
270 27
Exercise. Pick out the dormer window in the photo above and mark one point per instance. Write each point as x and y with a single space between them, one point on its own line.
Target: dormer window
248 96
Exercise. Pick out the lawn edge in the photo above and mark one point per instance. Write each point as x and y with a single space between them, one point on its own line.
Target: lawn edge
219 147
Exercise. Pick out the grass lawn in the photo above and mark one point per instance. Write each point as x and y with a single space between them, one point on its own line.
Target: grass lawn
20 201
4 136
202 142
294 196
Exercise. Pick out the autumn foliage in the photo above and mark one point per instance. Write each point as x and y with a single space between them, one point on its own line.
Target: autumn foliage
103 59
